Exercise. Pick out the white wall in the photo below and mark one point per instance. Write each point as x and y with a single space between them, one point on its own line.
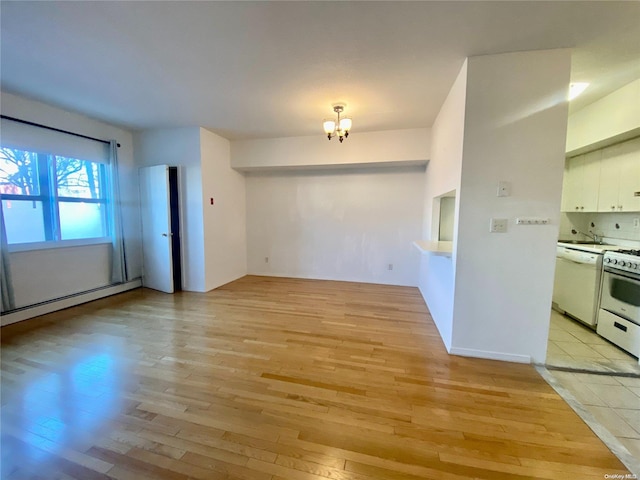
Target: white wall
615 117
94 271
180 147
225 223
410 146
35 274
442 176
515 127
213 236
346 224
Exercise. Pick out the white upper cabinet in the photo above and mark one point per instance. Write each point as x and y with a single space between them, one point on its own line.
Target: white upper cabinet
570 185
620 178
581 183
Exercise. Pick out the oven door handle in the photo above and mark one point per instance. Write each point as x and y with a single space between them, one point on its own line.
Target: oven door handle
622 273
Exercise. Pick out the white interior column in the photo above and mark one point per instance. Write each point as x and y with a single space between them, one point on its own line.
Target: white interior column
514 131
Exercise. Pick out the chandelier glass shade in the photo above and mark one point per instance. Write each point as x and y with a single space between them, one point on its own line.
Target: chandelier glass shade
339 127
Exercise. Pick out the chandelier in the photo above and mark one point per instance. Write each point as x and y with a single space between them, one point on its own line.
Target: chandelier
339 127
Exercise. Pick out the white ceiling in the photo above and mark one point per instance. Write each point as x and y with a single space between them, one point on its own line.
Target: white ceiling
270 69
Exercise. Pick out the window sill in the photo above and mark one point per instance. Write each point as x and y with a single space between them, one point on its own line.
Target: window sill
83 242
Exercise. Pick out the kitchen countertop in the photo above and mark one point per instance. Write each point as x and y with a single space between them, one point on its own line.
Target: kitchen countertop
588 247
436 248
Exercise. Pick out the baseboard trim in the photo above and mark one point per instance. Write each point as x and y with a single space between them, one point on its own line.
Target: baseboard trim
329 279
72 301
504 357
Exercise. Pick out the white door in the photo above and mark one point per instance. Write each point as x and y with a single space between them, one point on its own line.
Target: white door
156 228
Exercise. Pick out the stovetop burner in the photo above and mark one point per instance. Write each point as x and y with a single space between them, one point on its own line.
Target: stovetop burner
635 253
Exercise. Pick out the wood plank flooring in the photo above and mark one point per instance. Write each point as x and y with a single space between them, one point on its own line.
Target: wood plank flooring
273 379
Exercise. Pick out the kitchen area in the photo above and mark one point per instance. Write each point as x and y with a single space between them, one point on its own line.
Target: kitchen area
594 335
596 293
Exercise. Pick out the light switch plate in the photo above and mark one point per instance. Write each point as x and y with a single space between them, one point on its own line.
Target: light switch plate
498 225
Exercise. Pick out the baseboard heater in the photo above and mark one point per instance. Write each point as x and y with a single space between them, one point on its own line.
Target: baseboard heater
53 305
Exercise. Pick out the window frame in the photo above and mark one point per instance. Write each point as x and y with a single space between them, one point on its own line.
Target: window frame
46 175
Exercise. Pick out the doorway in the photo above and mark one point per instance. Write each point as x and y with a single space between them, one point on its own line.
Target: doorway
174 208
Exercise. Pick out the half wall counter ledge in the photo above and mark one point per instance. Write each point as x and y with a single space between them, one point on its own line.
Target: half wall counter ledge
442 248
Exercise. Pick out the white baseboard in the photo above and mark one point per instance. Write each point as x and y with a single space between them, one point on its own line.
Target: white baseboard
67 302
505 357
329 278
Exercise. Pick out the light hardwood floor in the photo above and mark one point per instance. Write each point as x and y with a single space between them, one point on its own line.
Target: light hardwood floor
273 379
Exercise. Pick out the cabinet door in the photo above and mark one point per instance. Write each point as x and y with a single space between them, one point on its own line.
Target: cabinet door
620 178
629 161
609 180
590 181
572 184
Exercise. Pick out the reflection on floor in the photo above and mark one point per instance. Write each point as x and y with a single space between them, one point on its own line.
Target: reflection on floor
574 345
612 400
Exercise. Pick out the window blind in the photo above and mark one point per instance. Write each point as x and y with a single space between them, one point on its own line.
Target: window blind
26 137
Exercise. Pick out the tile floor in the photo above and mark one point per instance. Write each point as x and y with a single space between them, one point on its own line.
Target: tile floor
612 399
574 345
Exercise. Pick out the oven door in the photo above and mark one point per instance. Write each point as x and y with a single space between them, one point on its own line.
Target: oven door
621 295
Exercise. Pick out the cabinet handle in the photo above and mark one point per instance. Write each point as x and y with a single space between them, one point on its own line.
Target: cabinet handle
581 208
613 207
577 208
619 207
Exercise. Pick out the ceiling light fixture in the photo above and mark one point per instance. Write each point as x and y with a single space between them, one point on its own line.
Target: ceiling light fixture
576 89
339 127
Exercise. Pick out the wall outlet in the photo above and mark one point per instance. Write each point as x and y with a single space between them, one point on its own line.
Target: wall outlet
391 266
532 221
636 222
498 225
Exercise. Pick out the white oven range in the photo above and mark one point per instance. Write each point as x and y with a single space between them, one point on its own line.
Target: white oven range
619 313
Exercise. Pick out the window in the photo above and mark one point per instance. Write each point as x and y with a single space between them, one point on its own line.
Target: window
52 198
57 189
